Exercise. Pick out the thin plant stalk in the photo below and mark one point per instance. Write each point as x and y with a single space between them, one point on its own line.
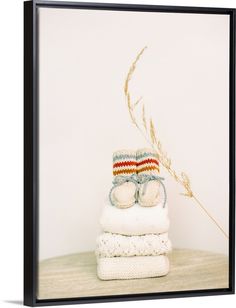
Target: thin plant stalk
149 133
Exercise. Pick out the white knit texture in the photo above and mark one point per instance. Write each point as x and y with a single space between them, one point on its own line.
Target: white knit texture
132 267
116 245
135 220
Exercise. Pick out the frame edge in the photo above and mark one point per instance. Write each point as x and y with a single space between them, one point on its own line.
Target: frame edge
31 175
30 214
232 64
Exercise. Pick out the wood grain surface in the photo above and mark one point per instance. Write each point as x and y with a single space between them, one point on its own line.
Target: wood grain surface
75 276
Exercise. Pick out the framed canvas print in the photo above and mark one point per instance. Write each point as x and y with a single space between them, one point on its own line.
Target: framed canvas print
129 152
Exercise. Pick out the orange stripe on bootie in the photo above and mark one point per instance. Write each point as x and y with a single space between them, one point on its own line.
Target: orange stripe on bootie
147 162
124 162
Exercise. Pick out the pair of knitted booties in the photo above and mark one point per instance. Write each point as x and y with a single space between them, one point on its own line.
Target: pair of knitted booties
136 179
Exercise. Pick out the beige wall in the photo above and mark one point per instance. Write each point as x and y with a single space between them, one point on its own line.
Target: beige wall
183 77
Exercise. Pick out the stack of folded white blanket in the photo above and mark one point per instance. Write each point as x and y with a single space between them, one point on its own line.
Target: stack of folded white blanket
134 242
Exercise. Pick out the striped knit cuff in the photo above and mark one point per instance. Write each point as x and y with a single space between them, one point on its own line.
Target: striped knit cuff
124 162
147 162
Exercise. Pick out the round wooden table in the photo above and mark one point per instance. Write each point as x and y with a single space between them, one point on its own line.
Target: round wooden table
75 276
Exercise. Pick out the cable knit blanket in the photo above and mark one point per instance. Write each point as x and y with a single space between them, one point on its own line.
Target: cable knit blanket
135 220
132 267
116 245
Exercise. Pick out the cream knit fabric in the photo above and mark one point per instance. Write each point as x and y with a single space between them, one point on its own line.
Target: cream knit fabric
135 220
116 245
132 267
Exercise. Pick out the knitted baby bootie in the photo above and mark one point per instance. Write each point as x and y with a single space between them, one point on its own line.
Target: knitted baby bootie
150 183
124 190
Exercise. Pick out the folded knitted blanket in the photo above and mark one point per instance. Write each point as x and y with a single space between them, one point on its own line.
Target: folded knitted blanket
116 245
132 267
136 220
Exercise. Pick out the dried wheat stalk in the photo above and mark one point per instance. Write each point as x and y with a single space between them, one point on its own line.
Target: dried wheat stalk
147 129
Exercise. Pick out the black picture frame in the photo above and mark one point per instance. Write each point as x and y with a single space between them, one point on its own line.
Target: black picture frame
31 146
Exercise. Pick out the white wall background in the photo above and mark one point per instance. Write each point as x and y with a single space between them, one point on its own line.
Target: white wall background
11 162
183 77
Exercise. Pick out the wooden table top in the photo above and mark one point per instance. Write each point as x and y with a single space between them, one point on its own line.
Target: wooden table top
75 276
